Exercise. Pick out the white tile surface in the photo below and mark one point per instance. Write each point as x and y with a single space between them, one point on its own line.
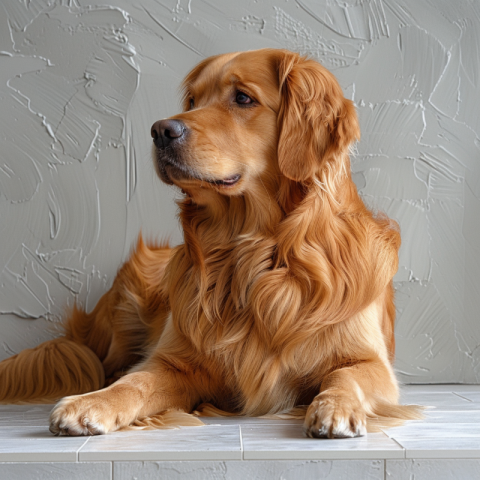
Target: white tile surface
439 469
433 430
56 471
25 415
440 401
456 416
472 396
288 442
440 447
439 388
37 444
450 430
192 443
252 470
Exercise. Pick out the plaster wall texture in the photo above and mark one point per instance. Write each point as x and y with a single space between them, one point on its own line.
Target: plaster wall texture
81 84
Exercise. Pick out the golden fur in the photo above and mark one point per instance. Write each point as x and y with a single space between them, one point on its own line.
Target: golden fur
281 294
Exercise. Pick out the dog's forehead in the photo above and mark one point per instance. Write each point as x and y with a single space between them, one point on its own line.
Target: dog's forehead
212 70
254 68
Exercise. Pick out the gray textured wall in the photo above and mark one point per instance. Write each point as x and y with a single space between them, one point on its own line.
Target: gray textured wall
81 84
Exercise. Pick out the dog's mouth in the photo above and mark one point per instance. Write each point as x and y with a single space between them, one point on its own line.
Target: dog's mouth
226 182
170 171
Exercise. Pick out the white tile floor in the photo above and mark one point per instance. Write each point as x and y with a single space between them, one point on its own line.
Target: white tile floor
445 445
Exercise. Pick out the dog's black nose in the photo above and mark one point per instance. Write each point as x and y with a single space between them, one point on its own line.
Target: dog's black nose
167 130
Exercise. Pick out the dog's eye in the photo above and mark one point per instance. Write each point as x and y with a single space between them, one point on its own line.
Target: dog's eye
243 99
192 103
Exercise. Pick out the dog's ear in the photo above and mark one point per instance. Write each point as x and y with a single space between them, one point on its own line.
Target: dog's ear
316 122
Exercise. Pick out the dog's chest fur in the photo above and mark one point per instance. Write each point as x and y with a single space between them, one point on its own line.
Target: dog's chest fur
226 327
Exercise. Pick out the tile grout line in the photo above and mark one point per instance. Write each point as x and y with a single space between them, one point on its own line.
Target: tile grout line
401 446
241 442
464 398
81 446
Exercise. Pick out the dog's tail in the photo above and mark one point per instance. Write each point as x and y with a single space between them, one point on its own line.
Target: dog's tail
50 371
67 365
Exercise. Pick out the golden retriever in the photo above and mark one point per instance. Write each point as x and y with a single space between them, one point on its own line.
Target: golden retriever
281 294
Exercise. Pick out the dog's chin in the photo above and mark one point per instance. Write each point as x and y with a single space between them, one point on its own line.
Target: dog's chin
164 177
170 173
174 175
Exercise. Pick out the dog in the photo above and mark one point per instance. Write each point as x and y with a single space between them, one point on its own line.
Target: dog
282 293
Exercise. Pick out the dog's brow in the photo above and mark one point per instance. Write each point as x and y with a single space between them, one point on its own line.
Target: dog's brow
245 84
205 81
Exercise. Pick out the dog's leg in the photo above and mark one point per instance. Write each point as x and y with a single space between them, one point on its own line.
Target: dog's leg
346 396
138 394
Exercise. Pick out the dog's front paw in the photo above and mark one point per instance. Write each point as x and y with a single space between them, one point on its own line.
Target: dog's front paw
335 415
81 415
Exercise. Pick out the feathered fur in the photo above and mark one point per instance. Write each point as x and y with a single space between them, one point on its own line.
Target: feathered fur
281 294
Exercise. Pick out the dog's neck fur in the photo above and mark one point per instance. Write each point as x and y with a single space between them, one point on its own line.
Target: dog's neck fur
237 242
227 222
253 268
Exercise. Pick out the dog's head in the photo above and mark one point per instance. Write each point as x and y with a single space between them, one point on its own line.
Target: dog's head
252 118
